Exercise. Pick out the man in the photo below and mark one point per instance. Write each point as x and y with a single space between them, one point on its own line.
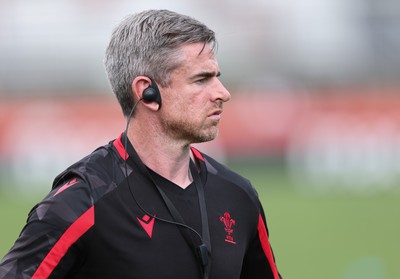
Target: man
148 205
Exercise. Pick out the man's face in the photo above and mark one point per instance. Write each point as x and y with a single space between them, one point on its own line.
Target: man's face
192 103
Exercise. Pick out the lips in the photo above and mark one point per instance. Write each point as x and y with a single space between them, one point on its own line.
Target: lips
216 114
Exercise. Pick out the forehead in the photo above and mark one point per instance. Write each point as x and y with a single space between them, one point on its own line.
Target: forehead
197 57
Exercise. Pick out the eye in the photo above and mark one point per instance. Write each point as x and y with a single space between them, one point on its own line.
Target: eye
202 80
206 77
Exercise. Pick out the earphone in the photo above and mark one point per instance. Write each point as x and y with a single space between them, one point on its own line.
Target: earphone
152 94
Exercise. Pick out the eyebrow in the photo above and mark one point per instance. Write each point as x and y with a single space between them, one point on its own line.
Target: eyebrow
206 75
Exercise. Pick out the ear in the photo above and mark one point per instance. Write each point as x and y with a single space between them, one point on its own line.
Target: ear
139 84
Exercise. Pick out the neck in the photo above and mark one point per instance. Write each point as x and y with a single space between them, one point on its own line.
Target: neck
167 158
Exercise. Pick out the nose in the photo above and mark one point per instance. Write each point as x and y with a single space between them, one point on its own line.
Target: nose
221 92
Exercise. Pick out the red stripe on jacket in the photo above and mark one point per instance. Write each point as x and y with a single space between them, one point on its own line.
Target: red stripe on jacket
262 232
197 154
120 148
70 236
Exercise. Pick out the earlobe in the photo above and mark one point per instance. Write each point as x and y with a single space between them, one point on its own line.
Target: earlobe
151 105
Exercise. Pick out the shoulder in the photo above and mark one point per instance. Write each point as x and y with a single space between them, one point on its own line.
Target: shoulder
231 178
79 187
224 172
99 172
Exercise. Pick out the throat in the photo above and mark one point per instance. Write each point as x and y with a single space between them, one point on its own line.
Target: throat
182 181
181 178
174 182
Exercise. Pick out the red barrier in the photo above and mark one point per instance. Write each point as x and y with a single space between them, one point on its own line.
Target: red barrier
252 124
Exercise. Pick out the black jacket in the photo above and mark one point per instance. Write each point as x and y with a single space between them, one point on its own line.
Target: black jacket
90 226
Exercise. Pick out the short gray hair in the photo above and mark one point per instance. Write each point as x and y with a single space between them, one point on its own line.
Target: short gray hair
147 44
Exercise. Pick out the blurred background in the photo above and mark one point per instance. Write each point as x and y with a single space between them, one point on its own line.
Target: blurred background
314 119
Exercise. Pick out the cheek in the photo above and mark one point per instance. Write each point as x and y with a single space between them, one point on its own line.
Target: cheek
183 106
186 105
178 111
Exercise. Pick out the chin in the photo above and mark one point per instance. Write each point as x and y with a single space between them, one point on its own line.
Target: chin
211 135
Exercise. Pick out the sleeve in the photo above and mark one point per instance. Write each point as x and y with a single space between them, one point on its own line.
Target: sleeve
52 234
259 261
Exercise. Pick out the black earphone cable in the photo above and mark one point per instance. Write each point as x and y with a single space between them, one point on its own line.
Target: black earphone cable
202 248
126 175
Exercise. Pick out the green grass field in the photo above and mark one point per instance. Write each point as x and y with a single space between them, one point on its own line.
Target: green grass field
332 236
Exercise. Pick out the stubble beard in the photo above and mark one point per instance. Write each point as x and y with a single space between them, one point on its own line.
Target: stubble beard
188 132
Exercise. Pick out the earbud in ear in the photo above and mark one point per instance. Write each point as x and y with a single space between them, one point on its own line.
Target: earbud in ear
149 94
152 94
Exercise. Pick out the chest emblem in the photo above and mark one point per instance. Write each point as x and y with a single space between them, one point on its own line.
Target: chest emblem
147 224
228 226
